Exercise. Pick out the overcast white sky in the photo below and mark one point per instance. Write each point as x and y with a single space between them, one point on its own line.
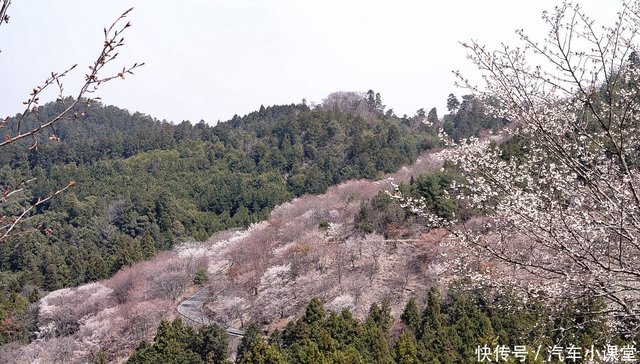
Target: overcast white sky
211 59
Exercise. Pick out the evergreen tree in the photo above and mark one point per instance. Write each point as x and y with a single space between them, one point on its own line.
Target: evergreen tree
178 343
381 315
212 344
433 342
432 117
349 355
345 329
411 316
432 319
147 246
309 353
250 335
404 349
452 103
376 343
262 353
314 313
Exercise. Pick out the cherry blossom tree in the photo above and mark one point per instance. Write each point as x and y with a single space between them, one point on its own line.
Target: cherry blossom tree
564 208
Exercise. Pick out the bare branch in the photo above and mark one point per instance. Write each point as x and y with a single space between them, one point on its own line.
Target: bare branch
13 222
4 6
113 40
565 216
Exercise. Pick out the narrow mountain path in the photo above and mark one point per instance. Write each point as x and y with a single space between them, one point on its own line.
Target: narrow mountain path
191 309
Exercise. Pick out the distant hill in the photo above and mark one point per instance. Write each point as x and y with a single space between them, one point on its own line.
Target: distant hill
264 274
142 184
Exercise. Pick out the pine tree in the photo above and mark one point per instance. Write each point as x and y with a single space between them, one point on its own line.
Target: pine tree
344 328
250 335
404 350
348 355
262 353
452 103
381 315
310 353
468 325
314 312
433 342
432 116
212 344
432 318
147 246
376 344
411 316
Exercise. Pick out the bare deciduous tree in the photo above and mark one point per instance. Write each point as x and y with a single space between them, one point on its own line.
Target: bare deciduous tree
348 101
374 246
353 247
340 260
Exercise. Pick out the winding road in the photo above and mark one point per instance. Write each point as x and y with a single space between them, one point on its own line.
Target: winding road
191 309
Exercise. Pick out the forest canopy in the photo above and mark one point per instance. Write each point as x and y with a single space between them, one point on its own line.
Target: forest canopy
142 185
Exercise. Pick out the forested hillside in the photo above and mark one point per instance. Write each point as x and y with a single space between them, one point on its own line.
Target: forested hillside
141 185
466 325
506 229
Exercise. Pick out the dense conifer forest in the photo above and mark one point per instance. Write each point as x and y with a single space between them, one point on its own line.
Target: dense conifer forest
465 326
142 185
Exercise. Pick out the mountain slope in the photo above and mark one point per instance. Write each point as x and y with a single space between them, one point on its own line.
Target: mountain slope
143 185
265 274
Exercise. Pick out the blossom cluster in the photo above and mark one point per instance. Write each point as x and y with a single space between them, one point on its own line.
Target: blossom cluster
564 207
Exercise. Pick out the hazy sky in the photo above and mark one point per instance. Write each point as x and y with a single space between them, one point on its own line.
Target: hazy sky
212 59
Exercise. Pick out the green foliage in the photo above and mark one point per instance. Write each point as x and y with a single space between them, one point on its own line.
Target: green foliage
382 214
262 353
212 344
101 358
432 186
433 343
143 185
318 337
411 315
404 349
446 330
514 148
381 315
201 277
176 343
252 333
451 329
468 119
452 103
314 312
432 117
